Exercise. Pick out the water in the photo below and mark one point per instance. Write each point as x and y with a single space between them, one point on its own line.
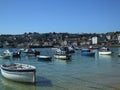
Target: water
79 73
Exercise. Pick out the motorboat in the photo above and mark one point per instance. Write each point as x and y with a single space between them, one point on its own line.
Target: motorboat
3 56
15 53
87 52
44 58
6 54
62 56
31 52
92 48
105 51
19 72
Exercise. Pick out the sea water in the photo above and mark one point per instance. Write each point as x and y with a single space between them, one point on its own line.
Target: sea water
101 72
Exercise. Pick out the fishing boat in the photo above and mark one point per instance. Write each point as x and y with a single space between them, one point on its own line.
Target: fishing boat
87 52
6 54
31 52
71 49
15 52
44 58
105 51
19 72
3 56
92 48
60 54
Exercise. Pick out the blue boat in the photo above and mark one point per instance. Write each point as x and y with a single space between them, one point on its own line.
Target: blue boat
85 50
88 53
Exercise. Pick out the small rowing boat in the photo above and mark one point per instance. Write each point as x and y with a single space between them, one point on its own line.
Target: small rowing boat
19 72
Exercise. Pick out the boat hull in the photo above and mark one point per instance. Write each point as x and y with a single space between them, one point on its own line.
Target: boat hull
105 53
85 50
88 54
92 48
62 56
5 57
28 76
44 58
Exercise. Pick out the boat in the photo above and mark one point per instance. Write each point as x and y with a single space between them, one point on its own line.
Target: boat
19 72
67 49
105 51
92 48
31 52
6 54
87 52
71 49
60 54
44 58
22 50
76 48
3 56
15 53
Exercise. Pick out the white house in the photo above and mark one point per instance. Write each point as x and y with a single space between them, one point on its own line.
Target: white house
94 40
119 38
108 37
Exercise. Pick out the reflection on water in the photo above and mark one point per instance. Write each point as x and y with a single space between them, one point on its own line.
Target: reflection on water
105 57
11 85
41 81
60 61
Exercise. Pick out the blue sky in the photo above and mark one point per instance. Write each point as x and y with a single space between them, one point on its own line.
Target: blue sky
72 16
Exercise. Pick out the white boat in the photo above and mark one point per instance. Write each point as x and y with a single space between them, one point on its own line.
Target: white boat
44 58
105 51
62 56
19 72
6 54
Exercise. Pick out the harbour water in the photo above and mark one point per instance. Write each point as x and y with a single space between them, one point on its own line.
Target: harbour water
101 72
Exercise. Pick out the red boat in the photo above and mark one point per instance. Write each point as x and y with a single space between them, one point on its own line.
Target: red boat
92 48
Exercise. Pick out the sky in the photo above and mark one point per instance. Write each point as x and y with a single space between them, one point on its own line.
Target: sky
71 16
